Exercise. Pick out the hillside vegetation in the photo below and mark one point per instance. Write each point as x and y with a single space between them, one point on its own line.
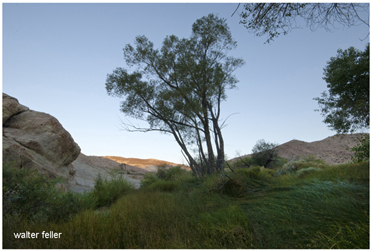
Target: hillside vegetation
301 204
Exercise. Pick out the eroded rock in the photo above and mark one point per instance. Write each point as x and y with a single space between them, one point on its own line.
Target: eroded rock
34 139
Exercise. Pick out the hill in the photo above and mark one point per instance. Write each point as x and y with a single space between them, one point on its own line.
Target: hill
147 164
332 149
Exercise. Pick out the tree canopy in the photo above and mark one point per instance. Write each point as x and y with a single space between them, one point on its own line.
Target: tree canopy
178 89
274 19
346 105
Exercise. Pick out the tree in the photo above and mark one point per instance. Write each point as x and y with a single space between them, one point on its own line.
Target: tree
346 105
275 19
263 153
178 89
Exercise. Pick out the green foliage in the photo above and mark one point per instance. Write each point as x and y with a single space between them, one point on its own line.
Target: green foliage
264 154
108 191
243 162
33 196
165 179
148 179
172 173
327 208
30 195
300 163
249 173
274 19
25 191
346 105
361 151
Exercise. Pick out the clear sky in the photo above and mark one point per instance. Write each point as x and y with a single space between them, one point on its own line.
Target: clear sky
56 58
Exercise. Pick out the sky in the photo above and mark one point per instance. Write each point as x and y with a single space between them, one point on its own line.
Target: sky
56 58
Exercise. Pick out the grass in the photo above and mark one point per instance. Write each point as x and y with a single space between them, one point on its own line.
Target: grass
315 206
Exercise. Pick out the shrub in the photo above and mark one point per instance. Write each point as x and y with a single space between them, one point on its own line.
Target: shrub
108 191
26 192
33 196
64 205
264 154
148 179
161 172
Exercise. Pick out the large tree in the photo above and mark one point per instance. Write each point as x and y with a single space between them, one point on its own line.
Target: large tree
179 88
346 104
274 19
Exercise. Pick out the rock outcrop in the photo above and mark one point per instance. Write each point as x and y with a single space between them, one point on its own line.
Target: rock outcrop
34 139
88 168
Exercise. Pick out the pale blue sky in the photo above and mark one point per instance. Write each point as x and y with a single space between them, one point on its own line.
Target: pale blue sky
56 58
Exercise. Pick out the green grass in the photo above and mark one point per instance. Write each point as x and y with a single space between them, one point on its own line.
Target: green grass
315 206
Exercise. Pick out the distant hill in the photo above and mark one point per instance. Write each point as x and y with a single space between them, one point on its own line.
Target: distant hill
147 164
331 149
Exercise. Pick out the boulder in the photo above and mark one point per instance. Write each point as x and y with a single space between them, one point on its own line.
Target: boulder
11 107
34 139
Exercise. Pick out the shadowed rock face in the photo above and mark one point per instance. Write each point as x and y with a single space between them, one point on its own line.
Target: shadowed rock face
34 139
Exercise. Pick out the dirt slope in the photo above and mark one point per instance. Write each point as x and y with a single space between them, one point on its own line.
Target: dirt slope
332 149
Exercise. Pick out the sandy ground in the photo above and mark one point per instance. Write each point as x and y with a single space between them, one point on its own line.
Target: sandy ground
88 167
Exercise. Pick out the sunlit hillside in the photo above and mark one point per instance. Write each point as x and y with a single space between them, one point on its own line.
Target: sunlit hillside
150 164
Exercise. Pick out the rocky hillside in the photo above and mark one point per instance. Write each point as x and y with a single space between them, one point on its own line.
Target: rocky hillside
36 140
333 149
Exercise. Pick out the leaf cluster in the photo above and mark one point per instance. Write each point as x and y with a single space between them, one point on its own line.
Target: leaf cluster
346 104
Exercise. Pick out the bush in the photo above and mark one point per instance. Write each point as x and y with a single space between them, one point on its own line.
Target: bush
264 154
148 179
108 191
65 205
33 196
26 192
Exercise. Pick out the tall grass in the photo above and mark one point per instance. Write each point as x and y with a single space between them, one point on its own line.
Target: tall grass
251 208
